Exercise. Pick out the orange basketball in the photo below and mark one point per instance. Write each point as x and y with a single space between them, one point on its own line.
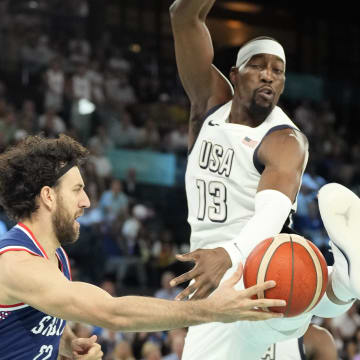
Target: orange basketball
297 266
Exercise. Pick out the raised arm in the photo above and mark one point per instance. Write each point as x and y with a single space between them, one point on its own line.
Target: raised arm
38 283
205 86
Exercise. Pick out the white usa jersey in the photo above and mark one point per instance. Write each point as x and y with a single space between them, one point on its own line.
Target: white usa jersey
223 174
292 349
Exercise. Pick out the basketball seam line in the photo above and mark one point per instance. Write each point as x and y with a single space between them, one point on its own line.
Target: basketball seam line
288 307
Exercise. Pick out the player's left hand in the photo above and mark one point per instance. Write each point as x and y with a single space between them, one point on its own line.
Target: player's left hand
86 349
210 267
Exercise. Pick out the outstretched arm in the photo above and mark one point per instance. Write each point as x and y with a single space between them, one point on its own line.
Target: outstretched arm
284 155
205 86
21 273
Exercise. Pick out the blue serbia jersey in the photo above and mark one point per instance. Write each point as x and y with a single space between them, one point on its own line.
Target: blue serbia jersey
26 333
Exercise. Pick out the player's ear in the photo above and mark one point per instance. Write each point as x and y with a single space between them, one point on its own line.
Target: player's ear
283 87
47 197
233 72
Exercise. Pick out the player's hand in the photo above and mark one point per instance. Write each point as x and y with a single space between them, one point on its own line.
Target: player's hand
86 349
210 267
237 304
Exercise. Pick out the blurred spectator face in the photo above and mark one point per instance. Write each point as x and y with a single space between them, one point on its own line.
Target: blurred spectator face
28 106
55 65
116 186
81 69
123 351
151 351
10 118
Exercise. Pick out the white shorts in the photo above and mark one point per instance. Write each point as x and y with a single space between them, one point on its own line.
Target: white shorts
241 340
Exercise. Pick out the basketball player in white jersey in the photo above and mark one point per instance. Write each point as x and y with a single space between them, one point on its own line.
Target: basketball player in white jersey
316 344
245 164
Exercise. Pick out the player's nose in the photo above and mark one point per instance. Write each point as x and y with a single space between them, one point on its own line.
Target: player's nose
84 201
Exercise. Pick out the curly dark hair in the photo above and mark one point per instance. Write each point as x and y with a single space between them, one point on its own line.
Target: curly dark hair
29 166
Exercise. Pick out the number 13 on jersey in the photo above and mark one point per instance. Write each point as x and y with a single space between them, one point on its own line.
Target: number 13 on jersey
212 201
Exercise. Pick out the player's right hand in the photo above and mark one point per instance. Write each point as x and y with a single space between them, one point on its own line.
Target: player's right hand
235 304
86 349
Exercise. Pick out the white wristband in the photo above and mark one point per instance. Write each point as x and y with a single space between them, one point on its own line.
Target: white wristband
272 208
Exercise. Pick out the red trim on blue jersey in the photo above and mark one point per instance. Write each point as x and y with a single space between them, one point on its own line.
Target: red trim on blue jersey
67 260
34 238
9 306
16 249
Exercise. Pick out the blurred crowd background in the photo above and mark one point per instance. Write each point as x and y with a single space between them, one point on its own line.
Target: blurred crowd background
104 73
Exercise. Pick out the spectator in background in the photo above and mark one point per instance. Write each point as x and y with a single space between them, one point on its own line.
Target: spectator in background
81 89
148 136
97 83
118 63
8 126
122 351
28 117
51 124
151 351
123 133
101 140
345 325
79 48
130 184
177 140
166 291
118 88
103 166
54 79
305 117
114 201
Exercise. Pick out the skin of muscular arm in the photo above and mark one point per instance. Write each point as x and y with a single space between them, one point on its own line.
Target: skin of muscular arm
319 344
283 154
203 83
38 282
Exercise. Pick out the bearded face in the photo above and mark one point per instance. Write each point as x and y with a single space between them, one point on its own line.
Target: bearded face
66 228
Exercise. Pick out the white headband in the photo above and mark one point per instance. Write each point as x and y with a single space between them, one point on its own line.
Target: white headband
261 46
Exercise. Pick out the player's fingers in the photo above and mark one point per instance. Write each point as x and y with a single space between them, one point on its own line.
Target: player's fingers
94 353
234 279
203 291
80 344
185 277
265 303
253 290
187 292
255 315
185 257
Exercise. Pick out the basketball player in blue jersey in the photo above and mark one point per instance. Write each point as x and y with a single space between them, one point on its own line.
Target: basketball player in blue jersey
42 188
245 164
316 344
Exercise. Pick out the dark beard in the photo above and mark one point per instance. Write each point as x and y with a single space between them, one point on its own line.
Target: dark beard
257 112
64 226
